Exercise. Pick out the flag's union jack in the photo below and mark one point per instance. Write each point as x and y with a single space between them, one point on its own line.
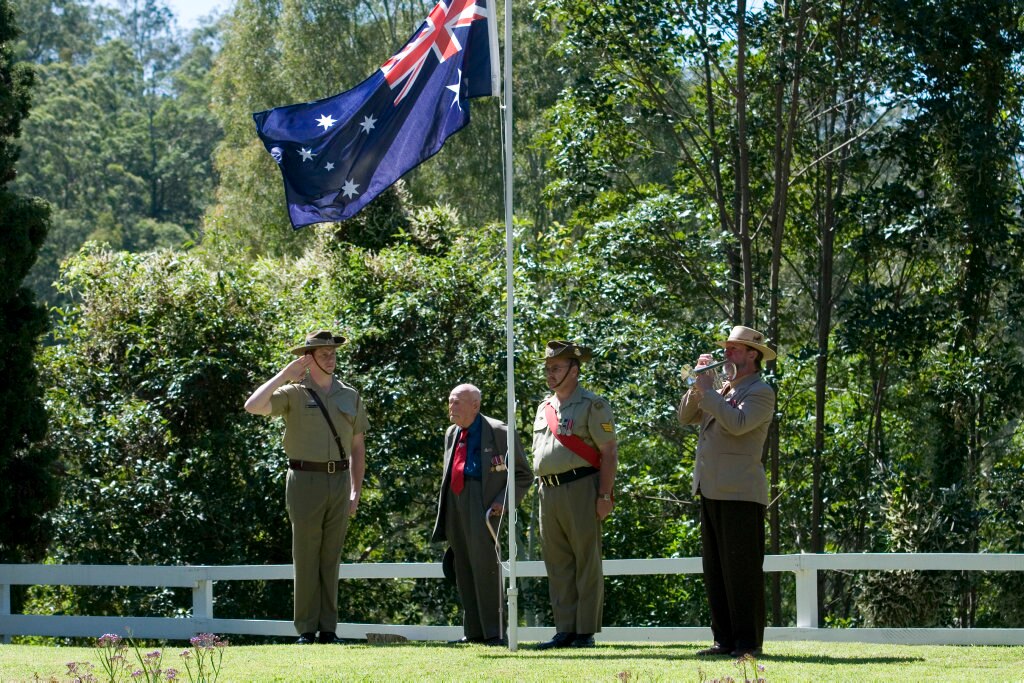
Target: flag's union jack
438 36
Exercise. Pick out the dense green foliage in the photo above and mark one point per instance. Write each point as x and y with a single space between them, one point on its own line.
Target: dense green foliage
844 176
29 486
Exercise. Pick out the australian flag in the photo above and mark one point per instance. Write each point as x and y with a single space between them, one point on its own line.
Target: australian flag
338 153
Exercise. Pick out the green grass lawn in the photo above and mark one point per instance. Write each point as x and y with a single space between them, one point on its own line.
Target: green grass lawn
782 661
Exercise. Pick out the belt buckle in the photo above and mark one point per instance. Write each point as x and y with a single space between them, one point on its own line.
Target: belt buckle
331 467
554 478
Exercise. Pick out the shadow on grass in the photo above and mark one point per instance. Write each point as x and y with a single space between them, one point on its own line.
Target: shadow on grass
669 652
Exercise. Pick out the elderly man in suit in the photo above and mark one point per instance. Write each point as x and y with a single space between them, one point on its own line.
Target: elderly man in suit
730 478
473 490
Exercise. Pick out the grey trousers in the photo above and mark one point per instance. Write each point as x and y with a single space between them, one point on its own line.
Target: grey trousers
570 535
476 564
318 507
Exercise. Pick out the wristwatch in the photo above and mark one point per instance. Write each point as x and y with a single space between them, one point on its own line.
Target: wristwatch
606 496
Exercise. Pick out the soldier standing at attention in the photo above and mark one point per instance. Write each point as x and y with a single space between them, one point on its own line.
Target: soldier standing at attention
324 427
574 458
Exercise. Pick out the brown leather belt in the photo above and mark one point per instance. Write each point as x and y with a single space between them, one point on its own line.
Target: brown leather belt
566 477
330 467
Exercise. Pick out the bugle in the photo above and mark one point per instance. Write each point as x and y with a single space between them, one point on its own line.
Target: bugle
724 371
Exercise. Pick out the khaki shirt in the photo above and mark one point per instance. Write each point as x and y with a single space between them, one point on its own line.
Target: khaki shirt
584 414
306 434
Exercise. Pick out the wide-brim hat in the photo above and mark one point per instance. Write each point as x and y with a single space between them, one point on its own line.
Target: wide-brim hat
749 337
319 340
560 348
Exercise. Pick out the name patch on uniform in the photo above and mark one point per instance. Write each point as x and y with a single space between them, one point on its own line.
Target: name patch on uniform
606 426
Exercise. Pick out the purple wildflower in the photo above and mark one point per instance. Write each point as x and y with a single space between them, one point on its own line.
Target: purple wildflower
205 641
109 640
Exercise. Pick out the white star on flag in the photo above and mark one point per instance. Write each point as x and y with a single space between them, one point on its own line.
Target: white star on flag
349 188
456 88
367 123
329 165
326 121
307 154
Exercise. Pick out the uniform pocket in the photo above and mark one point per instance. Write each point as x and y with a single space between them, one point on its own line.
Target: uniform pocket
737 473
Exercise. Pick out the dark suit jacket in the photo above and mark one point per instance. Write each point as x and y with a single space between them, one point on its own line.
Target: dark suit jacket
493 442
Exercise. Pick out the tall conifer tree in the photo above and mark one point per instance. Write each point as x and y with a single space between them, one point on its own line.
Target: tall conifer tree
28 485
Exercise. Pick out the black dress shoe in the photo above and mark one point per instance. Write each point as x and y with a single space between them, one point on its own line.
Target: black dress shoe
464 640
746 652
495 642
329 638
561 639
715 650
583 640
306 639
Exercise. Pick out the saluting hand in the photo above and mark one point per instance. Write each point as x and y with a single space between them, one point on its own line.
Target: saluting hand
296 370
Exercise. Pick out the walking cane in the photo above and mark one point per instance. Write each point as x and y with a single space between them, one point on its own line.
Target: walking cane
501 579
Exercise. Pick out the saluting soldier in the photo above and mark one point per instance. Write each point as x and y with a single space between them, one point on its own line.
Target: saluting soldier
325 423
574 458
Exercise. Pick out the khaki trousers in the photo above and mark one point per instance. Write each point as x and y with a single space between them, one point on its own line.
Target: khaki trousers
318 507
570 535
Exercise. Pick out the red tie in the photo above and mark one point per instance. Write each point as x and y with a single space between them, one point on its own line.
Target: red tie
459 466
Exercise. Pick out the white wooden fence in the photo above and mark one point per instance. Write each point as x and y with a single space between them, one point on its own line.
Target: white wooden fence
201 579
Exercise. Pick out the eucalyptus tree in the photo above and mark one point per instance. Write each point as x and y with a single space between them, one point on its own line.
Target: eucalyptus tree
956 224
132 163
55 31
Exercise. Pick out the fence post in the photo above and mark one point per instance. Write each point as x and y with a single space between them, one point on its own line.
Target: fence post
806 597
5 609
202 599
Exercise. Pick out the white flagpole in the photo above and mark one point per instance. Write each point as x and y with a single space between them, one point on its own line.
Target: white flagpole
510 498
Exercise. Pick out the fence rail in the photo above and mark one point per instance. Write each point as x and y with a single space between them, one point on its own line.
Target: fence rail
200 579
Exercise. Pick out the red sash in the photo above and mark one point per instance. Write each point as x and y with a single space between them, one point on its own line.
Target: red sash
572 442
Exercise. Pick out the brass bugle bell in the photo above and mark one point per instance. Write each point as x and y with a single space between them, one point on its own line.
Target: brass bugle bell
725 368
